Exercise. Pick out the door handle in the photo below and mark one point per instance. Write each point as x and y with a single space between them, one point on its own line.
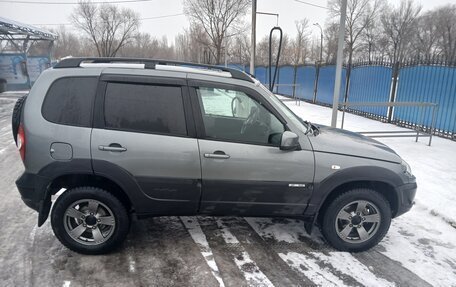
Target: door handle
217 154
115 147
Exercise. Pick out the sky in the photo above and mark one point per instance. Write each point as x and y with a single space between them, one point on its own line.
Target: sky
289 11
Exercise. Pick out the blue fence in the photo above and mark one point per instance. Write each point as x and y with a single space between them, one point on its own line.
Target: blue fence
416 82
370 84
305 80
435 84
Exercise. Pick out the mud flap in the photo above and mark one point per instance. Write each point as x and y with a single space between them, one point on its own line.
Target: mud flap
45 207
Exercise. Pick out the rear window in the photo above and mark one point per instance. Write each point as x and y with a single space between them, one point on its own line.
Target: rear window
145 108
69 101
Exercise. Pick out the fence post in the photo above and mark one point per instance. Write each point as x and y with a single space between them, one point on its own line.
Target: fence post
295 71
393 90
347 81
317 75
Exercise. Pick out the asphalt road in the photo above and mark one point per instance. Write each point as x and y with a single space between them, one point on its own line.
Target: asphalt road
178 251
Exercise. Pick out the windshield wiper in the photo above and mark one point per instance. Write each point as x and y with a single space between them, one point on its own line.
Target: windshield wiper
308 126
311 127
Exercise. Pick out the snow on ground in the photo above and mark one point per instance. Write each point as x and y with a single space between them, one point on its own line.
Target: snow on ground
422 240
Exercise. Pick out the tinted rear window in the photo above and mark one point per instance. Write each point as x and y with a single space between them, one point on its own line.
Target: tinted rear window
69 101
145 108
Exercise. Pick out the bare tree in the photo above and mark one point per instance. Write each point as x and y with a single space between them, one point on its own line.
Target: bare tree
446 29
331 35
299 45
240 49
219 18
142 45
360 14
370 41
191 44
108 26
398 24
67 44
426 35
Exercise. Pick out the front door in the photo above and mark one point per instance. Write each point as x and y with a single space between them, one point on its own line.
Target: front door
143 128
243 170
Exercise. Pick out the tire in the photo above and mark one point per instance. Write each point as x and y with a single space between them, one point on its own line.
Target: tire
346 230
67 221
16 117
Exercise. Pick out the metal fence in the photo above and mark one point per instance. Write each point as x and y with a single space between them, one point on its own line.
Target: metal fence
418 81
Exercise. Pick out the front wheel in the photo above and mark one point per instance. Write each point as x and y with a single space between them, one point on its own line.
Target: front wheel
89 220
356 220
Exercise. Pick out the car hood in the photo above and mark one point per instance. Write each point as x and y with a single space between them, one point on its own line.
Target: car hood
340 141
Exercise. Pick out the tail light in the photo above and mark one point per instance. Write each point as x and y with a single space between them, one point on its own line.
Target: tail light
21 141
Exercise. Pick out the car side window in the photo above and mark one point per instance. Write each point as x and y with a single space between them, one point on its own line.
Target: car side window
145 108
235 116
69 101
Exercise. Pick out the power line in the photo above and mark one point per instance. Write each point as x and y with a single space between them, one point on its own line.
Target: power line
141 19
71 3
311 4
163 16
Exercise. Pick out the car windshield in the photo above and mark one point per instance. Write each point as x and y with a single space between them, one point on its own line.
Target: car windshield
300 123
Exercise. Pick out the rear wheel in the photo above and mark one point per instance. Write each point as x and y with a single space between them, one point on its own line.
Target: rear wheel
89 220
356 220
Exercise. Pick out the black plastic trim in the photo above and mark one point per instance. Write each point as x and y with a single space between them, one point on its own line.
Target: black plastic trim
345 176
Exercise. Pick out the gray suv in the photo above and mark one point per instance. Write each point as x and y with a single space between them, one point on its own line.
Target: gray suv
113 137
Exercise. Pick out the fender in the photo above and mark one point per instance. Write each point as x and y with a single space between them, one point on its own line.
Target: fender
57 169
359 173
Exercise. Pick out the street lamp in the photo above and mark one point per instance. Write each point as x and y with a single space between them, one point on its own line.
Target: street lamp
317 74
321 40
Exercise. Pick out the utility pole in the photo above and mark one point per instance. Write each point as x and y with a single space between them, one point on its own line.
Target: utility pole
340 50
253 38
318 64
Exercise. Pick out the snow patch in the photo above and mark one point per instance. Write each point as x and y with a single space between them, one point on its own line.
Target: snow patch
246 265
198 236
226 233
309 267
347 264
286 230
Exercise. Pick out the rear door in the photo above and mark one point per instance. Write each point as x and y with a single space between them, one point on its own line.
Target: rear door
141 125
243 170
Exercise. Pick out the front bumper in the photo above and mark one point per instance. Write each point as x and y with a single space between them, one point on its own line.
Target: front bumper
406 197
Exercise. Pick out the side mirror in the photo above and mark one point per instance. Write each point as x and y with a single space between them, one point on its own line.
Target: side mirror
289 141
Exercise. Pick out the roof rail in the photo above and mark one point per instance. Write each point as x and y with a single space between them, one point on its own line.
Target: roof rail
150 64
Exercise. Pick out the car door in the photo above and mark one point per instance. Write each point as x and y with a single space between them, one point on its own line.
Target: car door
244 172
141 126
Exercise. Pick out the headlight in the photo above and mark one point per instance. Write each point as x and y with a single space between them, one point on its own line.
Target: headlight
406 168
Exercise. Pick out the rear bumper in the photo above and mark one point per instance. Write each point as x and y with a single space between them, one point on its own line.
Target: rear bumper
406 195
33 188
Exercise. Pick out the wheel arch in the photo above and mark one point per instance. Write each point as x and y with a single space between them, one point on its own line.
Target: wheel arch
383 188
379 179
71 180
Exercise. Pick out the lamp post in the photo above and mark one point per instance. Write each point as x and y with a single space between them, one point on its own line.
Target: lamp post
317 74
321 40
